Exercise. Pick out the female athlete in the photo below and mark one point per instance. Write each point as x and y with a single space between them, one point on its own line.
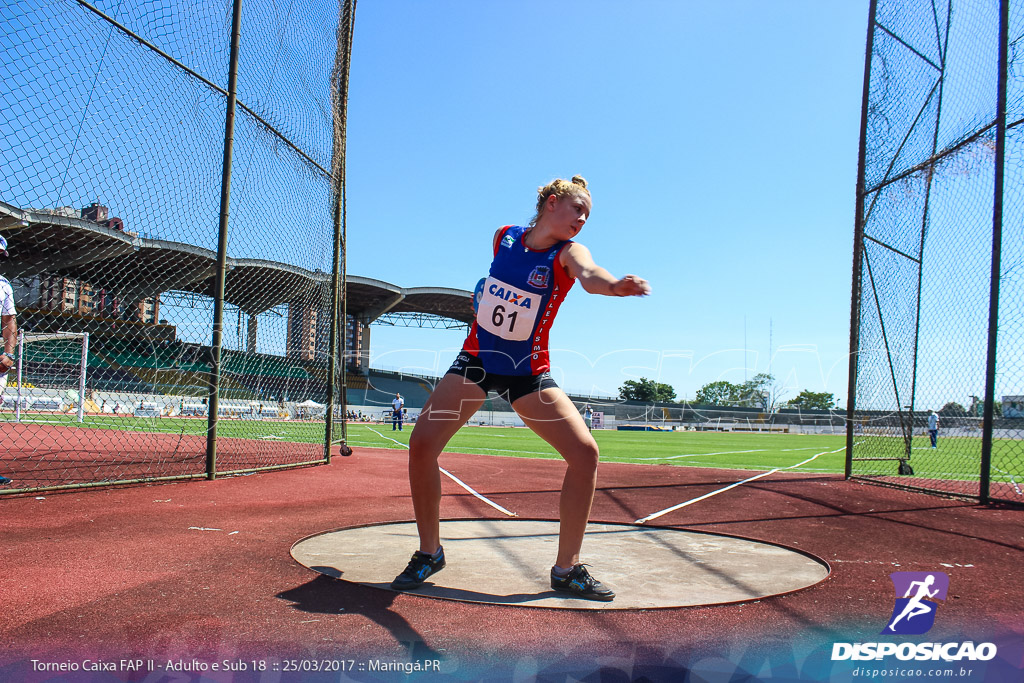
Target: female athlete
507 352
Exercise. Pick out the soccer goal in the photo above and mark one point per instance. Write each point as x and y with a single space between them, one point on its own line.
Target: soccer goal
51 373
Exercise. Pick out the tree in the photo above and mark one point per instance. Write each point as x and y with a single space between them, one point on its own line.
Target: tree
756 392
814 400
977 408
646 390
719 393
953 409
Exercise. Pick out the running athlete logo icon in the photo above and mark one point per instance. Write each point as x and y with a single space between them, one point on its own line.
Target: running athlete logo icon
914 612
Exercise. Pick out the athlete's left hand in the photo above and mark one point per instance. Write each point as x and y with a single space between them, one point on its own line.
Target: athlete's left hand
631 285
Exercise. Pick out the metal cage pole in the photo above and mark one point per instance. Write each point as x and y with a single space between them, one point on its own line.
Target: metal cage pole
21 375
997 237
858 246
80 413
338 342
222 243
925 214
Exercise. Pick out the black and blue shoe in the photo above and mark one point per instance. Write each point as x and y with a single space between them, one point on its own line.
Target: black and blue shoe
580 583
421 566
4 481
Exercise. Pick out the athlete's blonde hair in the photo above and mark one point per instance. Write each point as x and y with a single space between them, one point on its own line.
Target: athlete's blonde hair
559 188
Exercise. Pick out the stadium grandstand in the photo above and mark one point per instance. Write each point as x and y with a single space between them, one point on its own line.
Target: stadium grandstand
110 282
134 356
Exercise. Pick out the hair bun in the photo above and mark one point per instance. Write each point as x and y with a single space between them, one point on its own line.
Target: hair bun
579 180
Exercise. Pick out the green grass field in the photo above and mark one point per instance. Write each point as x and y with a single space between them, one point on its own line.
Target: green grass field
956 458
698 449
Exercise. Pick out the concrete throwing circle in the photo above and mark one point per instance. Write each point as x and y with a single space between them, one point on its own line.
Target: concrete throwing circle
507 562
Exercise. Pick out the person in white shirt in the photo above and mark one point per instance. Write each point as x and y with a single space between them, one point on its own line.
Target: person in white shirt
9 330
933 429
396 412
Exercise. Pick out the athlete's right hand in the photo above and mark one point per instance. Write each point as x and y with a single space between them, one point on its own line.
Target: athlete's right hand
6 363
631 285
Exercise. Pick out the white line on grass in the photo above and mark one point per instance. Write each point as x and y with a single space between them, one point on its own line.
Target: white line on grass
507 450
655 515
1012 480
699 455
454 478
496 450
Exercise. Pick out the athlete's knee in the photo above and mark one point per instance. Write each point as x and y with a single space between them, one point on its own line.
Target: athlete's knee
585 457
418 440
424 442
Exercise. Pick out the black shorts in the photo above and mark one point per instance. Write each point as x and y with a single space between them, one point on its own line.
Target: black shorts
509 387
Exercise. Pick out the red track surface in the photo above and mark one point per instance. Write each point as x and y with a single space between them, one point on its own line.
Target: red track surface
51 455
201 570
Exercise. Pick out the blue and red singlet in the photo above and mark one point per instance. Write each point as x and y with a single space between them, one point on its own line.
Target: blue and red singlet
520 298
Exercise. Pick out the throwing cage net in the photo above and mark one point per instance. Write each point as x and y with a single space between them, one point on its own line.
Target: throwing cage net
173 199
937 334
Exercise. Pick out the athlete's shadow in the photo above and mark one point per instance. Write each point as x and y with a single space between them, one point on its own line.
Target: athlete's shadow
325 595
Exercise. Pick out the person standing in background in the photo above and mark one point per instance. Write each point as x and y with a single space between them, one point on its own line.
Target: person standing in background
9 330
396 412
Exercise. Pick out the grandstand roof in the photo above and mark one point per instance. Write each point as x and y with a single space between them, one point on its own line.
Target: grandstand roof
134 268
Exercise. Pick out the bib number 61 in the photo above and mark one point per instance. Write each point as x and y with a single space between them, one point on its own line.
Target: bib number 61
498 317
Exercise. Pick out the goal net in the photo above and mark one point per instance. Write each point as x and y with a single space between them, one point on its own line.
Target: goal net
50 374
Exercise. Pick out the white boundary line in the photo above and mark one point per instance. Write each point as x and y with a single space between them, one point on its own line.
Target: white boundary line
655 515
698 455
453 478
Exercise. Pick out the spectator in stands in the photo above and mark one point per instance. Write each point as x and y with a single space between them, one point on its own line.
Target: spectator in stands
933 429
506 351
396 412
9 329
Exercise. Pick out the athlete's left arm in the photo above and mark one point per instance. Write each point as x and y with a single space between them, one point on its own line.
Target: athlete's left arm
580 264
9 330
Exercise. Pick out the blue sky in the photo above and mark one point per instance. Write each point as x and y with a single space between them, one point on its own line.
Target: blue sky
719 140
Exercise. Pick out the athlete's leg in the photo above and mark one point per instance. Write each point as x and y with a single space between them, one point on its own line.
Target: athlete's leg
910 611
452 403
554 418
918 610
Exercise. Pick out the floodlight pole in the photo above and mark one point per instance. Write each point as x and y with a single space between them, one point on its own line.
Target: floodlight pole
222 243
997 236
858 245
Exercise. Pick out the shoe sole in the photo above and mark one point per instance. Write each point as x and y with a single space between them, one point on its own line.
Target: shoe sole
585 596
413 586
